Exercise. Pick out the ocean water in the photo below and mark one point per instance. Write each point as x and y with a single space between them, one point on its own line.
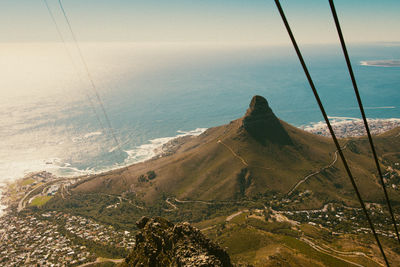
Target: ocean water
51 118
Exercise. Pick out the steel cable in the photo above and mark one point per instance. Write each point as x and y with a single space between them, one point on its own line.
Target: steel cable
360 104
317 98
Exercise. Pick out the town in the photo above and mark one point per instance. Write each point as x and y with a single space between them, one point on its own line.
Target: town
58 239
32 237
349 127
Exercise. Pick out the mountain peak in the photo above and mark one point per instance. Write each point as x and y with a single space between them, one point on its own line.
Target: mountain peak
262 124
258 104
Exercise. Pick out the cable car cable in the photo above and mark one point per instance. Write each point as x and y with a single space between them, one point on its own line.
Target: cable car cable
330 127
353 80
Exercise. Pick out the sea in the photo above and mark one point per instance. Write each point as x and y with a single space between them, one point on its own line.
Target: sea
59 116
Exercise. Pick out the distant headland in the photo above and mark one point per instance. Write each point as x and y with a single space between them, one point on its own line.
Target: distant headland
381 63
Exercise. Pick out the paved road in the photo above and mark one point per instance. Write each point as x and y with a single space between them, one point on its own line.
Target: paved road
323 209
230 217
193 201
174 207
330 253
100 260
315 173
22 203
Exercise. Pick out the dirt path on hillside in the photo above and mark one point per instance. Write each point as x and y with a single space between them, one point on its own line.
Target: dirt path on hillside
233 153
244 162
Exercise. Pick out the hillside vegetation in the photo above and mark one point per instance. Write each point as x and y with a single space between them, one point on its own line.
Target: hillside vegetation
256 162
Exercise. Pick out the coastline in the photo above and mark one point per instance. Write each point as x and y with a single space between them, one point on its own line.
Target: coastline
155 148
160 147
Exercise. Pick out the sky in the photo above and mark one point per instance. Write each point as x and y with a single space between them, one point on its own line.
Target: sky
201 21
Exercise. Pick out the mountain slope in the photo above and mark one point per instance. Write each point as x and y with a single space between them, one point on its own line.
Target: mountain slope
252 156
268 192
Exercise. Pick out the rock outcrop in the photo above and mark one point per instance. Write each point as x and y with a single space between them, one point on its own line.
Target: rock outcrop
162 243
262 124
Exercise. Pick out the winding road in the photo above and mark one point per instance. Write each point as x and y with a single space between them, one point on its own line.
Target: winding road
329 251
174 207
193 201
315 173
42 188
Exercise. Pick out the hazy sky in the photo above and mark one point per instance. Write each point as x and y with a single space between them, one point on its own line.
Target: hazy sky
213 21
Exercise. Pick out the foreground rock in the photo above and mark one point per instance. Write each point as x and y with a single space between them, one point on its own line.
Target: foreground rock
161 243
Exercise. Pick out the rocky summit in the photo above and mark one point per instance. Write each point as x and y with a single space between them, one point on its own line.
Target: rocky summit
162 243
262 124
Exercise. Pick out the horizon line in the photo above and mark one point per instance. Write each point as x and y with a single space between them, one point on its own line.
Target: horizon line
388 43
